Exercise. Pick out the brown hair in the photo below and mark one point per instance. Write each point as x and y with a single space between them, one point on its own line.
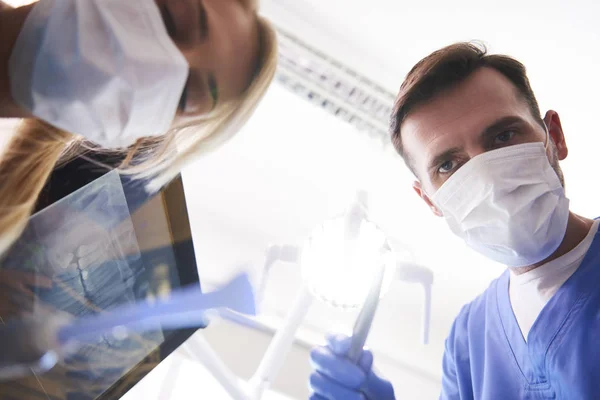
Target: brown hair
444 69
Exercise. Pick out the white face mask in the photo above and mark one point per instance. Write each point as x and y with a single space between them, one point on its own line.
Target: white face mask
103 69
508 204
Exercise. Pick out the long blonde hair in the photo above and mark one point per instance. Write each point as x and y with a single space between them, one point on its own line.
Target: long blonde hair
36 148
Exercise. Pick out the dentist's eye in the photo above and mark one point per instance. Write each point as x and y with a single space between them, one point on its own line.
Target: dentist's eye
446 167
504 137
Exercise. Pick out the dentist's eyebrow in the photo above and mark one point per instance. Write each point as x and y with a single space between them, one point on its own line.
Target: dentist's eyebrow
499 125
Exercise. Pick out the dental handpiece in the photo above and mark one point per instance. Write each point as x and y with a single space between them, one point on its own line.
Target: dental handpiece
363 322
362 325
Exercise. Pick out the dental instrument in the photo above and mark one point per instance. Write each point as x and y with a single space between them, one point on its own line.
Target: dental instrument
363 322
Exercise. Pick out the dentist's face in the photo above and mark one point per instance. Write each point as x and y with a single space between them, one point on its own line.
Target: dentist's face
483 113
219 39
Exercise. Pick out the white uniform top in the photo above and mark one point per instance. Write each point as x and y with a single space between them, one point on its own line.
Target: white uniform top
529 292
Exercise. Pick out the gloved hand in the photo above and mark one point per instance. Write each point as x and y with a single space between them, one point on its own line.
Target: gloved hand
337 378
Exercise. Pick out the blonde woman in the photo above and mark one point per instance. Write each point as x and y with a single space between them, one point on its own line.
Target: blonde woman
154 82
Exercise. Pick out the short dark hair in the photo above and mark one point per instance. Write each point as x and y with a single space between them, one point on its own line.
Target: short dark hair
446 68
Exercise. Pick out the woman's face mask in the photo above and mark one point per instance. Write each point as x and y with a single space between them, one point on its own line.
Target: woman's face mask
114 71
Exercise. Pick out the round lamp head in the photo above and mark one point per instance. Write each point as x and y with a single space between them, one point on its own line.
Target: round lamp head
339 268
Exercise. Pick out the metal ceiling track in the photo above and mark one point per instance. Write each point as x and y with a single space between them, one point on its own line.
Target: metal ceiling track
334 87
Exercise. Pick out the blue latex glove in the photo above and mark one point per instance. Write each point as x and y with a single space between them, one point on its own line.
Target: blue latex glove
337 378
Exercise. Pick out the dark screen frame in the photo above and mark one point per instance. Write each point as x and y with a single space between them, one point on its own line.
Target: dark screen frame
173 197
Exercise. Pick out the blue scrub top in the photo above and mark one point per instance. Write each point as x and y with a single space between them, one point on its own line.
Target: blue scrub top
486 356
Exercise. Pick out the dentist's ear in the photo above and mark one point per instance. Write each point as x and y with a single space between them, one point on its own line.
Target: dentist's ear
421 193
552 121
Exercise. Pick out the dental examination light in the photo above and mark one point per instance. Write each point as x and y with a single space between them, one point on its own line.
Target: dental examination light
414 273
274 254
345 254
348 263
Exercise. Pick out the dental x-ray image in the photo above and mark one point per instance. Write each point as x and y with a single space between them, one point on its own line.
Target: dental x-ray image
81 256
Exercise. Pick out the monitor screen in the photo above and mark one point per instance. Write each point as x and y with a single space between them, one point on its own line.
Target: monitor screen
103 245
